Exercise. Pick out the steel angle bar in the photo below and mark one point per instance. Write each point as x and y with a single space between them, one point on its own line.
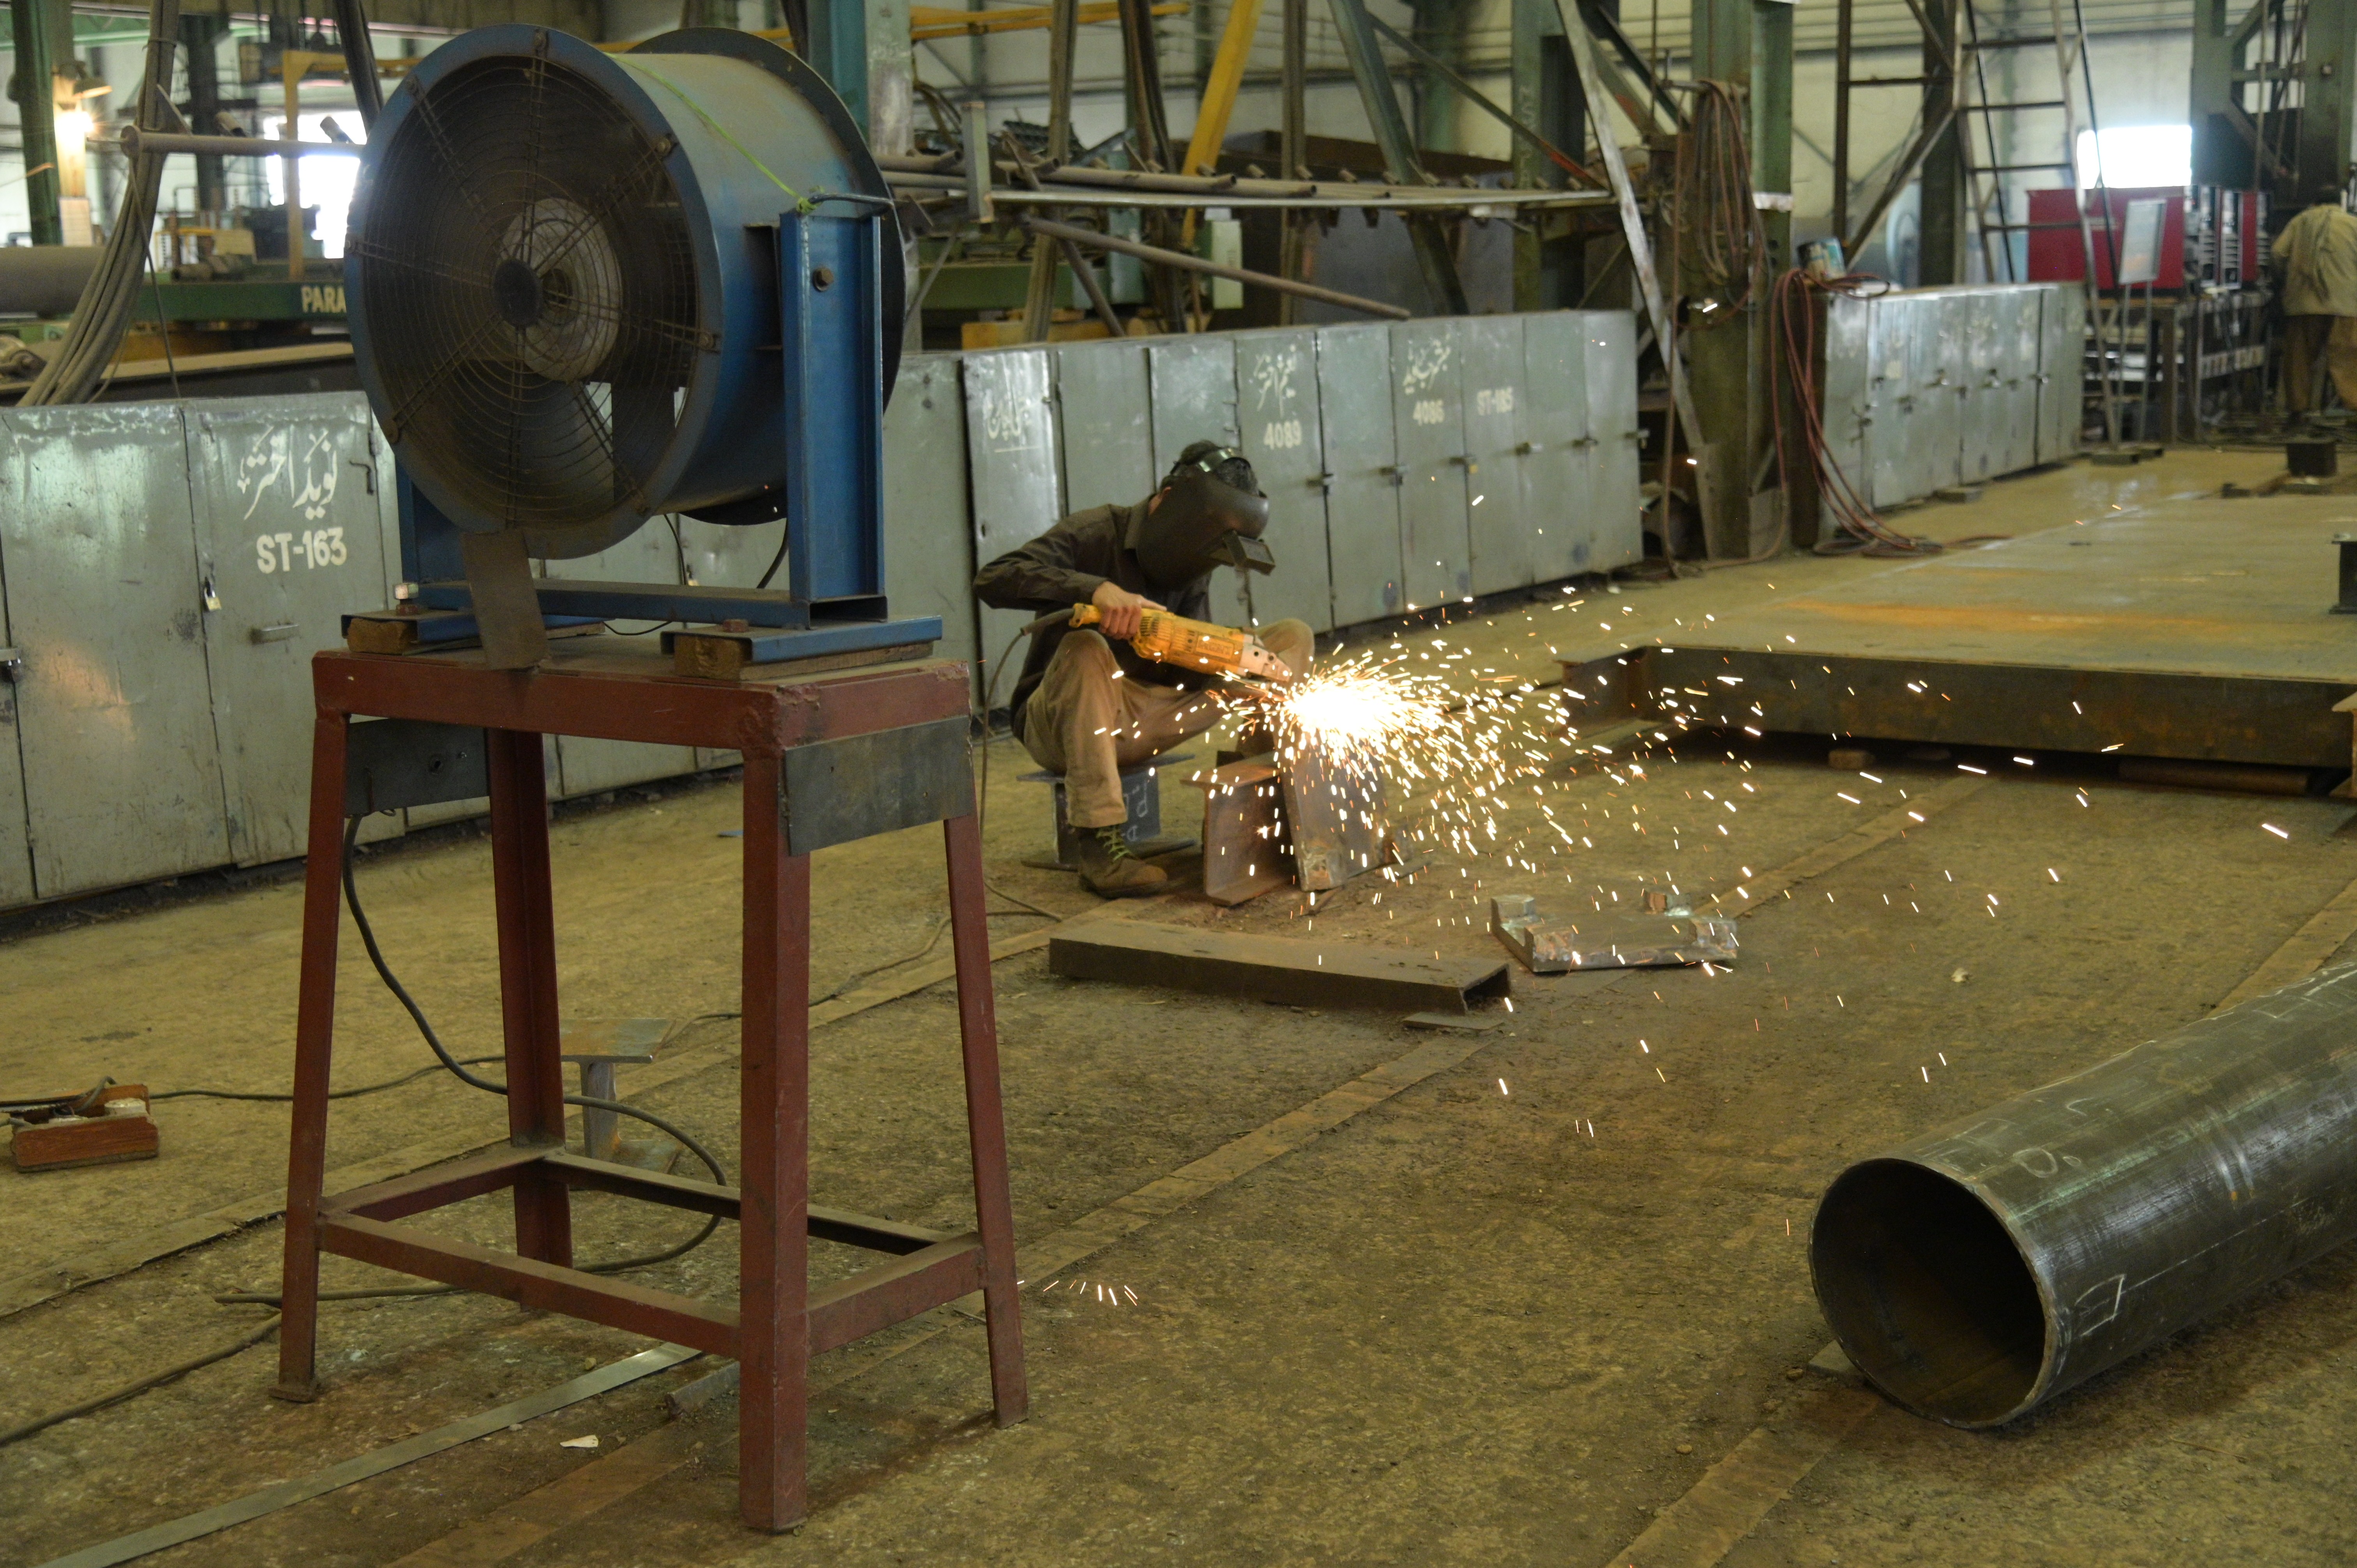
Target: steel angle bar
1271 969
1190 262
1330 198
1632 223
1476 97
156 1538
1433 252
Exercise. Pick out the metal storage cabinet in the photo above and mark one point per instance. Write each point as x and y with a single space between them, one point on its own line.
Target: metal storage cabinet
2062 370
1277 394
1556 467
1846 398
1936 442
1011 457
1428 423
1362 509
1194 390
1972 326
1502 551
586 766
928 549
2016 352
1105 414
1609 366
122 772
1890 353
289 536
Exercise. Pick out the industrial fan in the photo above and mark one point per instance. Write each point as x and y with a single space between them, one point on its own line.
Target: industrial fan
589 288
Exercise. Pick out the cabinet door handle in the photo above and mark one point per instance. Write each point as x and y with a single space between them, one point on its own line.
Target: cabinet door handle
277 631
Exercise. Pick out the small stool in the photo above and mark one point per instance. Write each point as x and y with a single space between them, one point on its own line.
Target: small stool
1141 797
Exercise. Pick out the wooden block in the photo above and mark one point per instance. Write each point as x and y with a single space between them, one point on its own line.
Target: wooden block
385 633
708 653
87 1140
91 1140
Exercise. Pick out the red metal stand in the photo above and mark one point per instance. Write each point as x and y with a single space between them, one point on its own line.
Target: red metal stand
779 1323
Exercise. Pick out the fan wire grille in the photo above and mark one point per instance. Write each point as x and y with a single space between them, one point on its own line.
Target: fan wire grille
530 288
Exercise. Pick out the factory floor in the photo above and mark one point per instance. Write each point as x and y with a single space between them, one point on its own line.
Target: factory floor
1515 1296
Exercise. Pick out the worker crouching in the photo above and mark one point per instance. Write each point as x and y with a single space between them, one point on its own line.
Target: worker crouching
1088 703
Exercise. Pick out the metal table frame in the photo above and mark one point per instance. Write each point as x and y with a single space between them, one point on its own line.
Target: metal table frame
779 1322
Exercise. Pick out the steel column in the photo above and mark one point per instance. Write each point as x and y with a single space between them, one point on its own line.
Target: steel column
1294 142
1940 255
199 33
527 932
1550 269
1844 24
1747 43
837 47
1400 163
28 22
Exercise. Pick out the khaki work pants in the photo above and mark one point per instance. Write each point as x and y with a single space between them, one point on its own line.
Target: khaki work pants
1087 721
2312 345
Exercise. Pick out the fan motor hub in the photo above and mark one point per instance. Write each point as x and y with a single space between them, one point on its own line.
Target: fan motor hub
516 288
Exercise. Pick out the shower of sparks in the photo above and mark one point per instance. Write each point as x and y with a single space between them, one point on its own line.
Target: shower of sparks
1094 1290
1395 730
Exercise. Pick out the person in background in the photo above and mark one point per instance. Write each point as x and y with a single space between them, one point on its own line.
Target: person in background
2317 254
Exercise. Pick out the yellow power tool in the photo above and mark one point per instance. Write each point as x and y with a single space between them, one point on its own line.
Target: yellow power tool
1167 638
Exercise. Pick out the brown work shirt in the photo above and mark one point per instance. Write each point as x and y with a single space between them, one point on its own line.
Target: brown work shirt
2318 253
1063 567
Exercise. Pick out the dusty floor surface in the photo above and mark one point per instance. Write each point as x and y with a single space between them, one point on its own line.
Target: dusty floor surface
1504 1315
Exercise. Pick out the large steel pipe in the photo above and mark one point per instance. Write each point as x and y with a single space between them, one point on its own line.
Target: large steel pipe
1984 1268
43 280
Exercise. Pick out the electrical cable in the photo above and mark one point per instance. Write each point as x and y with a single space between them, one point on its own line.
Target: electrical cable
428 1069
778 559
940 923
141 1385
434 1042
1714 183
88 352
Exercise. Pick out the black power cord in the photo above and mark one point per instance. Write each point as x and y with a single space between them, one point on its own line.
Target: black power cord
458 1068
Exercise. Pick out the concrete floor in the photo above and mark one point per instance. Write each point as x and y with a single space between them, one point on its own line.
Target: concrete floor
1507 1312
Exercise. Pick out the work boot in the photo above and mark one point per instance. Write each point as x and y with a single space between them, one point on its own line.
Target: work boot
1110 871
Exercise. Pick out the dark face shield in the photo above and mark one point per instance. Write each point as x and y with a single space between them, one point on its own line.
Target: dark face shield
1201 526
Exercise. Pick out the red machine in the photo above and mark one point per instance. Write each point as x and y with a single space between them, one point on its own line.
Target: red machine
2225 227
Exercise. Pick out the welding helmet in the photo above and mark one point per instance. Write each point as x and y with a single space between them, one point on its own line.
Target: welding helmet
1211 515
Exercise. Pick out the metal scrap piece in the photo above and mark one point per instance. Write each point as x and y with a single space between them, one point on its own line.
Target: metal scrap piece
1558 944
